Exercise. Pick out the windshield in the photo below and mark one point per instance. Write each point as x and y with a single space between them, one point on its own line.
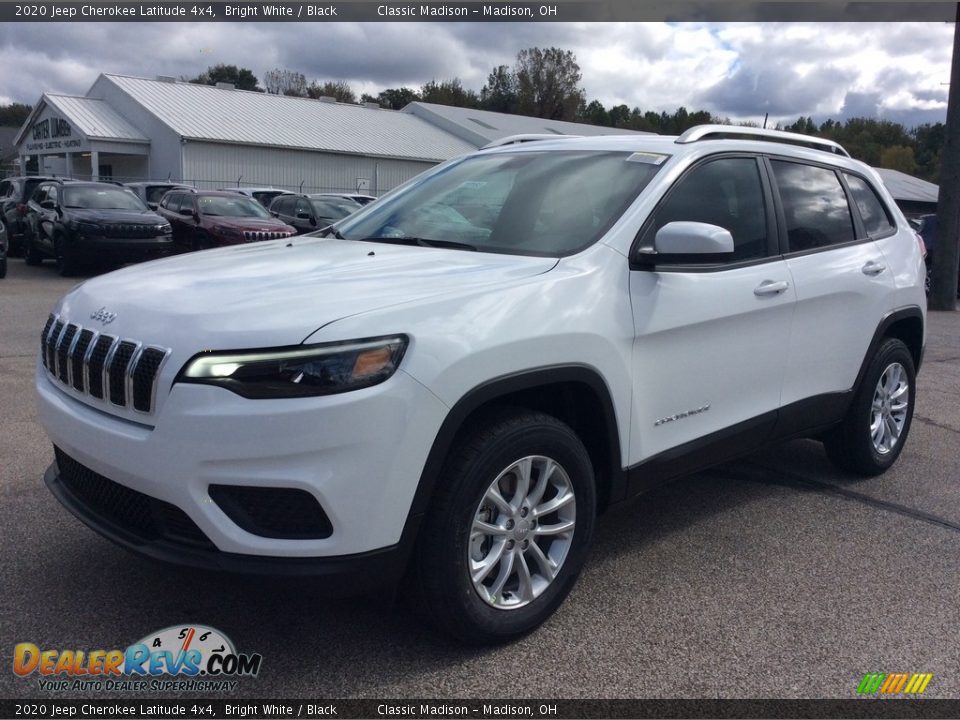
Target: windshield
334 209
99 198
239 206
524 203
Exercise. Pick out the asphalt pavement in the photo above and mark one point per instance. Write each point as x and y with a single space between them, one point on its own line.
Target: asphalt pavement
771 577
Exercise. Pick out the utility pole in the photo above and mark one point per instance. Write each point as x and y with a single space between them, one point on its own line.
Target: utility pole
943 282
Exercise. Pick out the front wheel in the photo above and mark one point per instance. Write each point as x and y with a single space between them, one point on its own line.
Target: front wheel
509 528
872 435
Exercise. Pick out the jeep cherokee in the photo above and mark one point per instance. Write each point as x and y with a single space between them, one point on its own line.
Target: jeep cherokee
453 382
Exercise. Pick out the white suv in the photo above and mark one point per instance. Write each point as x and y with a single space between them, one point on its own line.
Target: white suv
455 381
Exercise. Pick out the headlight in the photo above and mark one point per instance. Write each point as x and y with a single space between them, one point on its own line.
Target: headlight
301 371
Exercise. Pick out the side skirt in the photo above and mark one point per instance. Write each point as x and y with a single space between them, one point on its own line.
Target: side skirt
805 418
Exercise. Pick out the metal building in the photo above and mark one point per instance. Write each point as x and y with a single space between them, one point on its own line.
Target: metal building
128 128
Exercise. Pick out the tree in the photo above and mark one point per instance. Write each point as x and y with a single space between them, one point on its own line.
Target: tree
547 83
14 114
242 78
281 81
339 90
500 92
449 92
395 98
899 157
595 114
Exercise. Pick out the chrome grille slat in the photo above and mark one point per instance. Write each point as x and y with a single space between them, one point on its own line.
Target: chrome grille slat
118 371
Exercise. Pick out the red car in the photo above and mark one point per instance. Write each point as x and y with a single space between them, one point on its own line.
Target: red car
208 219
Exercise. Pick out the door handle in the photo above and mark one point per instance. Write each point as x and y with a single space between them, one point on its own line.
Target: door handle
873 268
769 287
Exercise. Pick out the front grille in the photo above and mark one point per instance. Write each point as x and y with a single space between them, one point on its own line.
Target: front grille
140 515
132 230
255 235
102 366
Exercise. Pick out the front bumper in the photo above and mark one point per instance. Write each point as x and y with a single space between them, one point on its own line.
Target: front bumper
360 455
124 249
346 574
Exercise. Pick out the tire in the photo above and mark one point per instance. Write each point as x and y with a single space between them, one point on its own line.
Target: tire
12 247
3 268
200 241
873 433
66 261
500 606
31 255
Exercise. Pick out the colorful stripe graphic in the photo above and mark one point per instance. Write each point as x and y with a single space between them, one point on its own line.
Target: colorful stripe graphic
894 683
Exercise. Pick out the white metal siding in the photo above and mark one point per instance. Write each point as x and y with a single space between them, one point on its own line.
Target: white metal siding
214 165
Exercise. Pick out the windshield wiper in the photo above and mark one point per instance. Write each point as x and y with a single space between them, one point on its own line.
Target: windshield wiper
331 230
422 242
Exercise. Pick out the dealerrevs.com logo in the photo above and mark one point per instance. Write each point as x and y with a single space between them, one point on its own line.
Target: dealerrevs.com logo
180 657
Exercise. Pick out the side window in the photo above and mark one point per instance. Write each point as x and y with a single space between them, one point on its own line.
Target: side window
284 206
814 206
303 207
53 194
187 203
725 192
876 219
172 202
40 194
6 189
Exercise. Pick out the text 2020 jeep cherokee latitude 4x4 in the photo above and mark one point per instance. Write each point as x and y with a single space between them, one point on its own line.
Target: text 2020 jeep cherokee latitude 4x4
458 377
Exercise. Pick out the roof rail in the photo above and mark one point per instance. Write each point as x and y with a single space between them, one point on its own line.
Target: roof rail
715 132
524 138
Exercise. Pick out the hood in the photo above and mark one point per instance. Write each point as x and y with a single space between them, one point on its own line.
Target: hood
277 292
109 217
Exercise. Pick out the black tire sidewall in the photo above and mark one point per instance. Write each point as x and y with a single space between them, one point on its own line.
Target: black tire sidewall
865 457
461 609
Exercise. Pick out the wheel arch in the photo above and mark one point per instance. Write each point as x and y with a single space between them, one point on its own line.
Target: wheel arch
905 324
575 394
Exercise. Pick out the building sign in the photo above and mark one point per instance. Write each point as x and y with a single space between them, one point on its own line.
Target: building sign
52 134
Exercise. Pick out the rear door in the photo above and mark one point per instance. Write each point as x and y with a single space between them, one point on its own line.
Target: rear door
842 278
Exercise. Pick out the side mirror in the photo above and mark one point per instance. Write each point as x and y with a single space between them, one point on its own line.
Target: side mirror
153 205
301 215
186 212
275 213
693 238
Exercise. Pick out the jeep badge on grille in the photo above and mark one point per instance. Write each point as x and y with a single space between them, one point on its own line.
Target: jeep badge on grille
103 316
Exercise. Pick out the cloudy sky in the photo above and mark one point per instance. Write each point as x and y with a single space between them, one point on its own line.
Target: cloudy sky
892 70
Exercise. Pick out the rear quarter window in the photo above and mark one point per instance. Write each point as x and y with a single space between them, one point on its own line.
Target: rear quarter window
874 214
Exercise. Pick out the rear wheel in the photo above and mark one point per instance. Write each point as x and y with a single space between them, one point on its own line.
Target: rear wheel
509 528
872 435
3 267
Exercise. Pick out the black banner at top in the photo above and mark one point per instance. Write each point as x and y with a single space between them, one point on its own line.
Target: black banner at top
473 11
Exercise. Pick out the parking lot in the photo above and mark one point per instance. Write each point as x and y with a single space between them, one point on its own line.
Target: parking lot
771 577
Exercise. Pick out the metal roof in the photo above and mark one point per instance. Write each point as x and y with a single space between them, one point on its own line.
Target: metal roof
480 127
92 117
204 112
907 187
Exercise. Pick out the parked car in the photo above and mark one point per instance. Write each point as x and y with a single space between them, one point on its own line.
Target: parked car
15 192
927 229
311 212
263 195
82 224
152 192
3 251
357 198
210 218
454 401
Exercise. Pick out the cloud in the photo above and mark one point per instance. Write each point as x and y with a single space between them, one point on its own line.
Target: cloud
741 70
